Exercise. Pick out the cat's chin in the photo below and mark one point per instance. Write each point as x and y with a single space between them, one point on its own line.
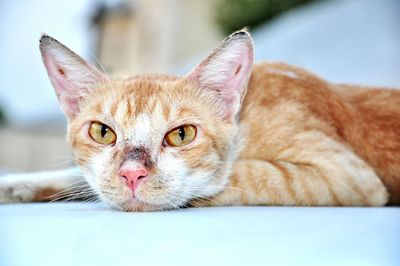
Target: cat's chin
135 205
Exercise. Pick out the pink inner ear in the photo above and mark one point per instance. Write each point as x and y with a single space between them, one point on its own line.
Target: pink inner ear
232 91
233 82
237 74
66 91
56 73
73 105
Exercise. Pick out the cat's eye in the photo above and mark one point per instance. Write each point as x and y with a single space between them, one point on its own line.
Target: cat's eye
181 136
102 133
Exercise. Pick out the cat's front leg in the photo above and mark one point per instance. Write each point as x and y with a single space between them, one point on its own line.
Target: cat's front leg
41 186
285 184
320 173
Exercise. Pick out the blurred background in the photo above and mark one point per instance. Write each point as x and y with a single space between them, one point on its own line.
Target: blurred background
352 41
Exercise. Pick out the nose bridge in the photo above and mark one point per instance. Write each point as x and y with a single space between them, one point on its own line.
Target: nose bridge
139 154
142 135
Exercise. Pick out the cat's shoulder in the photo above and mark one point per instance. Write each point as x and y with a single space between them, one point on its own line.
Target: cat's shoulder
274 82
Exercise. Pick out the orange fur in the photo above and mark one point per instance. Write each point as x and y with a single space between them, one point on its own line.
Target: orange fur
277 108
365 120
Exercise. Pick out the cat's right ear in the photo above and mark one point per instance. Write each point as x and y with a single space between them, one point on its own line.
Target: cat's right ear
70 75
226 72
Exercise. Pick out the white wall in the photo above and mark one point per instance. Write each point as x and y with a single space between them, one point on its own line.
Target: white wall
25 92
351 41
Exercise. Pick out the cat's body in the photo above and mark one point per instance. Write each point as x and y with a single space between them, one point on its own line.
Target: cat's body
164 142
296 121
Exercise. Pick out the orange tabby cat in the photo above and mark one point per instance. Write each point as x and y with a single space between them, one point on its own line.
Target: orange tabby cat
228 133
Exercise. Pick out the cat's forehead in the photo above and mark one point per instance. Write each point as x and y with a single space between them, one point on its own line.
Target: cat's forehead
162 98
134 97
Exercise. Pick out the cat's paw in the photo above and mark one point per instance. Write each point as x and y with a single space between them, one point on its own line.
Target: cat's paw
12 190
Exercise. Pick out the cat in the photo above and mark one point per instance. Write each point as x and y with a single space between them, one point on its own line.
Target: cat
228 133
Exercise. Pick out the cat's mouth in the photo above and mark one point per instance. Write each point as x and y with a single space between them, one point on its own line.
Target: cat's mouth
143 198
134 204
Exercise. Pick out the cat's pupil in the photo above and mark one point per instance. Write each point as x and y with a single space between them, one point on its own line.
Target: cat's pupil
181 133
103 130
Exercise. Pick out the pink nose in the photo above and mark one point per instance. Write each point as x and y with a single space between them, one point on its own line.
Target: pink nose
133 177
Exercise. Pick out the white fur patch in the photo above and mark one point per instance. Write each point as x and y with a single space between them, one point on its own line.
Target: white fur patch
287 73
140 134
99 165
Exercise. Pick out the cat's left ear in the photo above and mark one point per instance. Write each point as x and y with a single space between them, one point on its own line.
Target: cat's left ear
226 72
70 75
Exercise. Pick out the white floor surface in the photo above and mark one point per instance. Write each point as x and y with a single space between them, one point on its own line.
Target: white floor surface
92 234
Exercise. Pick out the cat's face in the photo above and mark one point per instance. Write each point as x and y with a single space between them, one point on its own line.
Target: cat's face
141 113
153 142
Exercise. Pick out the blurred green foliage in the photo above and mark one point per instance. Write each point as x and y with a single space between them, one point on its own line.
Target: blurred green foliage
233 15
2 117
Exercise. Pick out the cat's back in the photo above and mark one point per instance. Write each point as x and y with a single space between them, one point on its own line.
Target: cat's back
290 98
283 102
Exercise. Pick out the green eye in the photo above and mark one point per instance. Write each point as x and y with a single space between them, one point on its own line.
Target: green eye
181 135
102 133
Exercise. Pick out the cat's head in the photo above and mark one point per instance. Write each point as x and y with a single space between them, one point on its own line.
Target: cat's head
153 142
